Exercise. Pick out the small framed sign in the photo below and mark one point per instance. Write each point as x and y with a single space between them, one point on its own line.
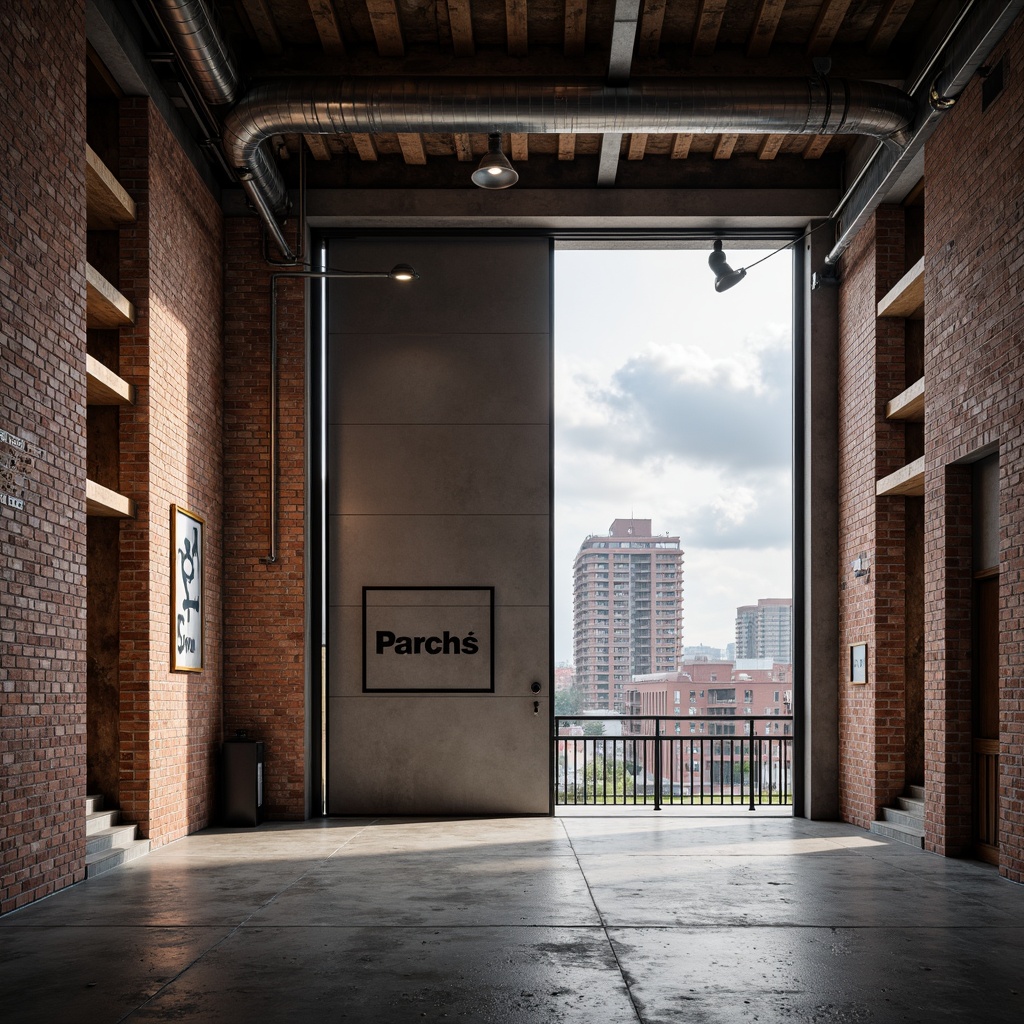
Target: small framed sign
186 591
858 663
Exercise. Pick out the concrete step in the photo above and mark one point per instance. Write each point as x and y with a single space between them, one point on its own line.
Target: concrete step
106 860
93 803
100 820
897 817
911 804
110 838
916 792
900 833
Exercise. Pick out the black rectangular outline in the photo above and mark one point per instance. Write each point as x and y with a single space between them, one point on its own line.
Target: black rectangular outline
405 689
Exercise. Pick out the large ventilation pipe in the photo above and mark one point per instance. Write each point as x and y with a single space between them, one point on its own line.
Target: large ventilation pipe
199 43
815 106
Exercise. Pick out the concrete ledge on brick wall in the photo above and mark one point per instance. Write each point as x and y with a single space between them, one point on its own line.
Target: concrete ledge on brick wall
907 481
102 501
906 298
908 405
108 205
106 307
104 387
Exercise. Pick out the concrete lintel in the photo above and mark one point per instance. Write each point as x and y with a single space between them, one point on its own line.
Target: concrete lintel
560 209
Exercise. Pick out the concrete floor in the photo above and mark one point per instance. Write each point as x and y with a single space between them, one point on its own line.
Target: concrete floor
597 919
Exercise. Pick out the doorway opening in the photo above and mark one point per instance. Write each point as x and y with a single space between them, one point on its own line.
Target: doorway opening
673 567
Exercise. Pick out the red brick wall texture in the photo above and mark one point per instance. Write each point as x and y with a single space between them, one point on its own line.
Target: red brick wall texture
170 454
42 399
974 373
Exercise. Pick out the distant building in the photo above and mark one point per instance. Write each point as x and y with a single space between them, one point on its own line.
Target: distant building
703 651
627 610
765 629
565 678
702 691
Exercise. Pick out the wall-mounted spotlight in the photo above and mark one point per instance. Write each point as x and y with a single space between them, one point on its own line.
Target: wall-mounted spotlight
725 276
495 171
860 567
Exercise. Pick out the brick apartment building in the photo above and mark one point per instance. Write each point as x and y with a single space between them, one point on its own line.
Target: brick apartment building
627 610
137 312
704 689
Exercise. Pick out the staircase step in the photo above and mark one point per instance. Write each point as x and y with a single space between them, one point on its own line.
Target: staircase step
916 792
93 803
105 860
110 838
907 818
900 833
100 820
911 804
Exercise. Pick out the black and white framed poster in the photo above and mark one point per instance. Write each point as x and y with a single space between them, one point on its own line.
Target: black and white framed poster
186 591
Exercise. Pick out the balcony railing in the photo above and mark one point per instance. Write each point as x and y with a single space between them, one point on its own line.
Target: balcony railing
652 764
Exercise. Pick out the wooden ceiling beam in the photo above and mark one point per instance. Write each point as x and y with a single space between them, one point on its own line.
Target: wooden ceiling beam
463 147
637 146
412 148
575 28
680 146
652 20
387 29
709 21
724 146
365 146
516 28
830 18
519 146
816 146
460 20
318 147
263 27
770 146
766 21
889 21
566 147
325 18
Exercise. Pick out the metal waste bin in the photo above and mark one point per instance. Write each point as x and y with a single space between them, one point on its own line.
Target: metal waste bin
243 781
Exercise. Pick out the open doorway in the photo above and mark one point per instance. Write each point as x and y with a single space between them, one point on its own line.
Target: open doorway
673 551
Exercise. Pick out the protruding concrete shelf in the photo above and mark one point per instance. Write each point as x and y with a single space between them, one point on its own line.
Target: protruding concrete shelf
105 307
908 405
102 501
108 206
907 481
105 387
906 299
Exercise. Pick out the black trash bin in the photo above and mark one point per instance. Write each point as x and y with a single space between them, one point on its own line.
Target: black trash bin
243 781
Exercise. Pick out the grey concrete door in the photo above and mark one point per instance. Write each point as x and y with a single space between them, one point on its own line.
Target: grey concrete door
439 533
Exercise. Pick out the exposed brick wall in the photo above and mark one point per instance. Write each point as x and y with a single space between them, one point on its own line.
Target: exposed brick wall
974 265
171 454
264 605
42 399
871 608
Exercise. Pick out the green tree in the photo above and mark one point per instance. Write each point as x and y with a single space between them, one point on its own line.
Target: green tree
569 701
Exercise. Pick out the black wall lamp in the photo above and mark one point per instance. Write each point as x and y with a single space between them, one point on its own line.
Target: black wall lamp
725 276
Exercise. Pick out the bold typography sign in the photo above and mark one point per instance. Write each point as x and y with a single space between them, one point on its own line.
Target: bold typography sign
17 465
428 639
186 591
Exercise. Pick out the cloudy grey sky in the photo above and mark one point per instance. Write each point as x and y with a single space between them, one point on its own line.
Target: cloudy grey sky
673 403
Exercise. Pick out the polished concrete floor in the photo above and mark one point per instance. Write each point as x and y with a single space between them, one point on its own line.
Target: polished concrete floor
592 919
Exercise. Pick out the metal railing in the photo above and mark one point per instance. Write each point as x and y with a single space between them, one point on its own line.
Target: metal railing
746 760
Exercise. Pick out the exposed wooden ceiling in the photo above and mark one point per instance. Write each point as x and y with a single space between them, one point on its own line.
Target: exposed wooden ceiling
609 39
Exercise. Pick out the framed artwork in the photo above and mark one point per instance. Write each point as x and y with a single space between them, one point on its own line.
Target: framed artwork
858 663
186 591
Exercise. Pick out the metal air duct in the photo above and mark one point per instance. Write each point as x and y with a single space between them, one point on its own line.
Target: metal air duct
814 106
199 43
